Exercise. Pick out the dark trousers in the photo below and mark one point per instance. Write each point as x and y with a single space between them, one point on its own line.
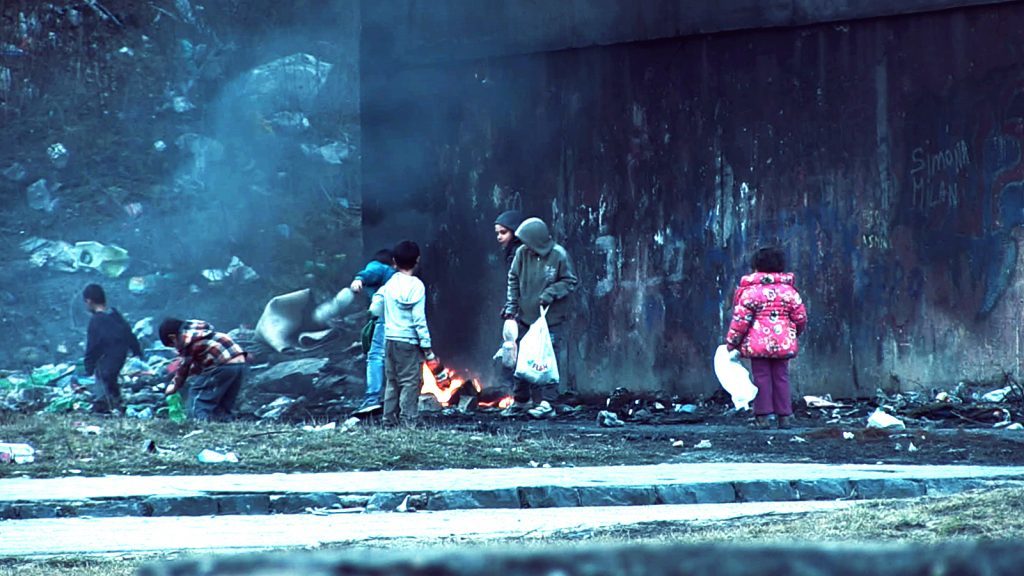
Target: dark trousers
771 376
106 393
404 380
523 391
212 394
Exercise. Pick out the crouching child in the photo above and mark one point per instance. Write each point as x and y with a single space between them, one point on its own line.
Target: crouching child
217 362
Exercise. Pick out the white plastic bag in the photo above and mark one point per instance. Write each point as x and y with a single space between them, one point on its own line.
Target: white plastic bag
734 377
509 350
536 362
885 421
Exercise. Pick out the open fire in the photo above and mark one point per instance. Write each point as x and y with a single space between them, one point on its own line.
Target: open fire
457 386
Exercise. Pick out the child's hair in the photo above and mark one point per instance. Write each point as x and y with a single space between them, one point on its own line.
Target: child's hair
406 254
167 327
768 259
94 293
384 256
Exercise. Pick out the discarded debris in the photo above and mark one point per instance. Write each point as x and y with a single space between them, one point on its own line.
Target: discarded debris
883 421
208 456
58 154
607 419
821 402
90 429
39 196
848 436
997 395
703 445
17 453
1015 426
321 428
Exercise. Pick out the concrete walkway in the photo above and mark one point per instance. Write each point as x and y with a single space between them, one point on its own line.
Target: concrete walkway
486 488
106 536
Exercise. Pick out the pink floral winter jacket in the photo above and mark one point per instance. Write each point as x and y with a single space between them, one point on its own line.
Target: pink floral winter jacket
767 316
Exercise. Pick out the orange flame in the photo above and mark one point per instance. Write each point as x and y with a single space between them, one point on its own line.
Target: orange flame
444 396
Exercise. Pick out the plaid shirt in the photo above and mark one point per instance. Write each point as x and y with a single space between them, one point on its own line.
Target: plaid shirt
202 348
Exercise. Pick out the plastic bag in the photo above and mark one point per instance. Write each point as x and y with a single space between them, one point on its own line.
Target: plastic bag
509 350
734 378
885 421
367 334
536 362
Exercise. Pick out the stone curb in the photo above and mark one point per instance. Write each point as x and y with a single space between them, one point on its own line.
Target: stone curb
526 497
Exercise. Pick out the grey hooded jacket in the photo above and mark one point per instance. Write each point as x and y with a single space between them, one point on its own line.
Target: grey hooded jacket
541 275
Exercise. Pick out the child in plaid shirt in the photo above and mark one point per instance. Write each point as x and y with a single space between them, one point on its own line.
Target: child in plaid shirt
218 363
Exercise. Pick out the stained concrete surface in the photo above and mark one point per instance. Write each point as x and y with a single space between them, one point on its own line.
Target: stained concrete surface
79 536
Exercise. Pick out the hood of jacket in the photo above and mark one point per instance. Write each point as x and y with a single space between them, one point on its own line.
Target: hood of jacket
535 236
763 278
192 331
406 290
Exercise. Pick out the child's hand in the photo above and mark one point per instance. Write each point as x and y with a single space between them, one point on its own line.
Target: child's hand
356 286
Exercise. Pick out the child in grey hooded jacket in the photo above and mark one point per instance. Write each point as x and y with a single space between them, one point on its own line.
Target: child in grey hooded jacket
541 275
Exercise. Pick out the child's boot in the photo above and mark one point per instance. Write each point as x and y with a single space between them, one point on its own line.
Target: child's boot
764 421
785 422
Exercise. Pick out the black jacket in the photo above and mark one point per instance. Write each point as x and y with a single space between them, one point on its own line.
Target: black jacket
109 341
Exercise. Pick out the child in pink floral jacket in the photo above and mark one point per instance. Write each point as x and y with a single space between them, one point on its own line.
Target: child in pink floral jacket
768 316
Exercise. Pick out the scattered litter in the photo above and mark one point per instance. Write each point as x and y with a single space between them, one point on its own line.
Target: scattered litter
686 408
181 104
236 269
159 146
821 402
1015 426
997 395
58 154
175 408
404 506
883 421
40 196
15 172
798 440
607 419
350 424
149 446
91 429
191 434
321 428
145 413
734 377
333 153
911 448
17 453
703 445
208 456
678 444
133 209
848 436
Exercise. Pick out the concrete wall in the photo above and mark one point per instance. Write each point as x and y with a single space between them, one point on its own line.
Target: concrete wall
883 154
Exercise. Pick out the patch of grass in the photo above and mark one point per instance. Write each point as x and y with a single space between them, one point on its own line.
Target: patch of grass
975 515
126 446
75 566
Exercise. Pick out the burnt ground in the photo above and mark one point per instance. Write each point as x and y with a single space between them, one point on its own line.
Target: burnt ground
733 438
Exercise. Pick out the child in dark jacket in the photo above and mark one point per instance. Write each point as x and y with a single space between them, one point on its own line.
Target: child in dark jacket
108 343
768 317
376 273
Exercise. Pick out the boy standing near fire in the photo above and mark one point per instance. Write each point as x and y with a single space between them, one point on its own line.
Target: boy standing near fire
402 302
541 276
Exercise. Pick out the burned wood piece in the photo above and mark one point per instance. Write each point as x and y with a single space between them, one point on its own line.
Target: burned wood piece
975 414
